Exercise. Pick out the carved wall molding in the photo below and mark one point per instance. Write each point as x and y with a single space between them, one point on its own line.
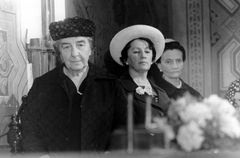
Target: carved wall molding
195 44
225 35
13 71
229 72
230 5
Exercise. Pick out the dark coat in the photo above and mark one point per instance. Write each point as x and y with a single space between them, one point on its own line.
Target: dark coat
156 76
160 102
53 121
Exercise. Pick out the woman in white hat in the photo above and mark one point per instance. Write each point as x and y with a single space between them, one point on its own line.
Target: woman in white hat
137 47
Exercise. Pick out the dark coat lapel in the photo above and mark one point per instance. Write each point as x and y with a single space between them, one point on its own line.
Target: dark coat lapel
162 97
130 87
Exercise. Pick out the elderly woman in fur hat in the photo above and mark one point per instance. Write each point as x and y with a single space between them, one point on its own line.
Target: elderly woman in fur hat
72 108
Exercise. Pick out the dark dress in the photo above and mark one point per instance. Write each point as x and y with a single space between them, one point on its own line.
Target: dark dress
156 76
58 119
160 102
141 137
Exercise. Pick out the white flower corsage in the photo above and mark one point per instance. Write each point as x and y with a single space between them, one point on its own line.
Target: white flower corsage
141 90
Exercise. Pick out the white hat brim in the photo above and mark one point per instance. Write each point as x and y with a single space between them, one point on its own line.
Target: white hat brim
124 36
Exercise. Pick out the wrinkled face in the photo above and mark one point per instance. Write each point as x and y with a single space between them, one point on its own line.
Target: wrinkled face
75 52
139 56
171 63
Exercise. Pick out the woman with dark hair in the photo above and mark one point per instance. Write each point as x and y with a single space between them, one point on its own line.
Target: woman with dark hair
168 69
135 48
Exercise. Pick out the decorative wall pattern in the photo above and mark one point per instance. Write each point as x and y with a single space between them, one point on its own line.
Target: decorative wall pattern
225 41
6 64
230 5
226 56
195 44
13 76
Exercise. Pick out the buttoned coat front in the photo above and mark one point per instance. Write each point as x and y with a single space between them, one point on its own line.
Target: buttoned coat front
47 121
159 104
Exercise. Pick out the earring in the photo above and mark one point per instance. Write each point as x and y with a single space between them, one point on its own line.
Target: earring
159 67
126 63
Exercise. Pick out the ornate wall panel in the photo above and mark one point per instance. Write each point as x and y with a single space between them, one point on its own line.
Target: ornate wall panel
225 41
191 27
13 78
226 56
230 5
195 44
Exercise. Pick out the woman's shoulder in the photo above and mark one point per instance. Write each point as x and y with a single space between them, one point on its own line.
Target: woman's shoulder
157 87
126 82
190 89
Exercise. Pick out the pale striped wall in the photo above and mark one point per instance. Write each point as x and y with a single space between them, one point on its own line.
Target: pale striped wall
13 76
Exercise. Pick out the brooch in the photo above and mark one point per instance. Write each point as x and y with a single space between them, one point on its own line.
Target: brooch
141 90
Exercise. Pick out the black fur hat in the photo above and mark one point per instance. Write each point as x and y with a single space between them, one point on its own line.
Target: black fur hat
72 27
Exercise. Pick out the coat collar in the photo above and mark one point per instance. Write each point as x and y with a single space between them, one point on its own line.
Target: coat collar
169 88
130 86
156 75
94 74
127 82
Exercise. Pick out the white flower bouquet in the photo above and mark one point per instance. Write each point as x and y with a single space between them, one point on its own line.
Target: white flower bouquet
194 125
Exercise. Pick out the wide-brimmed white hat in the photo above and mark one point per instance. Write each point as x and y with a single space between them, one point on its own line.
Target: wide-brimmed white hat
168 40
124 36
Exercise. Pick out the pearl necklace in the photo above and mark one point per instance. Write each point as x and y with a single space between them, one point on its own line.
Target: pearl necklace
178 80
